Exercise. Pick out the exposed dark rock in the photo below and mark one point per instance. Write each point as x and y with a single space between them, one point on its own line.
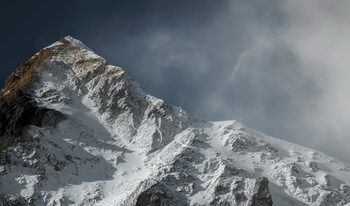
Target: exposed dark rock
18 112
155 193
261 195
10 200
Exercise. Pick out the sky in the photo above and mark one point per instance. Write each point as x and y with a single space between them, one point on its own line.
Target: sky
278 66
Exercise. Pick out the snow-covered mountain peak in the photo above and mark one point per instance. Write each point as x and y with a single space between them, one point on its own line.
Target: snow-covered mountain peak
76 130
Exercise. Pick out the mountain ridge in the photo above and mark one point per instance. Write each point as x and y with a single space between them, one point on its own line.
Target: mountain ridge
94 137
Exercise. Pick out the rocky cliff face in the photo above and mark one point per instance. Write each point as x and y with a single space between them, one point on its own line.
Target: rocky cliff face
75 130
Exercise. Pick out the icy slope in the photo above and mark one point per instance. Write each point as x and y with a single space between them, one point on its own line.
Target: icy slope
93 137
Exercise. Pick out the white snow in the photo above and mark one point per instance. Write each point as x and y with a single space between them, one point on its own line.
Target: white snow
116 137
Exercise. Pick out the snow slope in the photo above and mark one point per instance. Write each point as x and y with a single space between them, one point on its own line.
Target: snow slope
121 146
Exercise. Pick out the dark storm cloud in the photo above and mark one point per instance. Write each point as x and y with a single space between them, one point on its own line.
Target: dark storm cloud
278 66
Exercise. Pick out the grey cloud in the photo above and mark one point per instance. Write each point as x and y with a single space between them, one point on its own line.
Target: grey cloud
292 80
318 36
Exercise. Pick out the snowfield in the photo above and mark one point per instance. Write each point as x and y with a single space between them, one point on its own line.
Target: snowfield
120 146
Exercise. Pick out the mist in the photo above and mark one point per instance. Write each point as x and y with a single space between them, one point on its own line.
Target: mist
292 80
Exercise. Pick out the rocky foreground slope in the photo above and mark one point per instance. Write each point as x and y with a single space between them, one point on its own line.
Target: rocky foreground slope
75 130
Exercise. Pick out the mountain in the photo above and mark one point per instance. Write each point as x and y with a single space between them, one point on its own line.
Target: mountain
76 130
